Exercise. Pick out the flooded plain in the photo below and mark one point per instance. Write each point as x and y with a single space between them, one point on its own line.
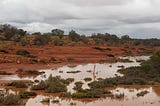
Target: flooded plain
94 71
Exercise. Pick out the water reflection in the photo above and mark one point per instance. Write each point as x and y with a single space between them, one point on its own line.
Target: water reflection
129 93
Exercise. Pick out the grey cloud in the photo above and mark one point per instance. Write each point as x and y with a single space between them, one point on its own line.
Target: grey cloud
139 18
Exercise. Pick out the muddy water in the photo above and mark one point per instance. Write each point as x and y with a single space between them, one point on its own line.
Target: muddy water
130 99
95 71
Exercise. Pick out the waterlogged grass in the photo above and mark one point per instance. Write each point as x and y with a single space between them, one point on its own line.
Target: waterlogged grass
52 85
91 93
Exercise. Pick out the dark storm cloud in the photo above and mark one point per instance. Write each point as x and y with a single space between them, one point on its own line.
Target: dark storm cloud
139 18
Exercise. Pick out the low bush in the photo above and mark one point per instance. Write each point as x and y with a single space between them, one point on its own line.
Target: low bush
9 99
142 93
3 51
78 86
98 48
26 94
74 71
17 84
22 53
52 85
88 79
91 93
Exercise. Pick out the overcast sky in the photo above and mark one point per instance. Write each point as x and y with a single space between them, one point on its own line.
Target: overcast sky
138 18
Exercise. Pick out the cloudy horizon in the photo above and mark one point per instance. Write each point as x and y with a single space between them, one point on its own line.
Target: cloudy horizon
137 18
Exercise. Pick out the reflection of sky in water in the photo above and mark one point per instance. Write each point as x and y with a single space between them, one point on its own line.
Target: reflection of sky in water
96 71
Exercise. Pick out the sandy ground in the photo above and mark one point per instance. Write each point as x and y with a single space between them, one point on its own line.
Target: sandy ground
64 55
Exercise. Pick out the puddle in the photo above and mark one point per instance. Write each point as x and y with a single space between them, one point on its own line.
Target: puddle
95 71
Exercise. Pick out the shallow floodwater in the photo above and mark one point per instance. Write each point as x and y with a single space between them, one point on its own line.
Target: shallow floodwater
130 99
95 71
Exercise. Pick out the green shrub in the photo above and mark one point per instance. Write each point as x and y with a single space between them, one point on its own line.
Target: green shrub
17 84
42 61
4 51
22 53
26 94
110 55
40 86
78 85
74 72
98 48
11 99
91 93
142 93
88 79
70 80
52 85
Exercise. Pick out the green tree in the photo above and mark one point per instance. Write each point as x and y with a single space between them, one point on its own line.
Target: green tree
125 37
57 32
74 36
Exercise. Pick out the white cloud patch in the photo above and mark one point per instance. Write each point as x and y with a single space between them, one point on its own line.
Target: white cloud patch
139 18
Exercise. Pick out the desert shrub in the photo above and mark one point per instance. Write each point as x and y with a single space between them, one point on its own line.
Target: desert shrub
5 73
55 101
70 59
32 56
70 80
142 93
33 72
74 72
42 61
26 94
11 99
110 55
125 60
22 53
109 49
52 85
17 84
52 59
78 86
87 79
66 94
98 48
46 100
40 86
74 36
3 51
91 93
